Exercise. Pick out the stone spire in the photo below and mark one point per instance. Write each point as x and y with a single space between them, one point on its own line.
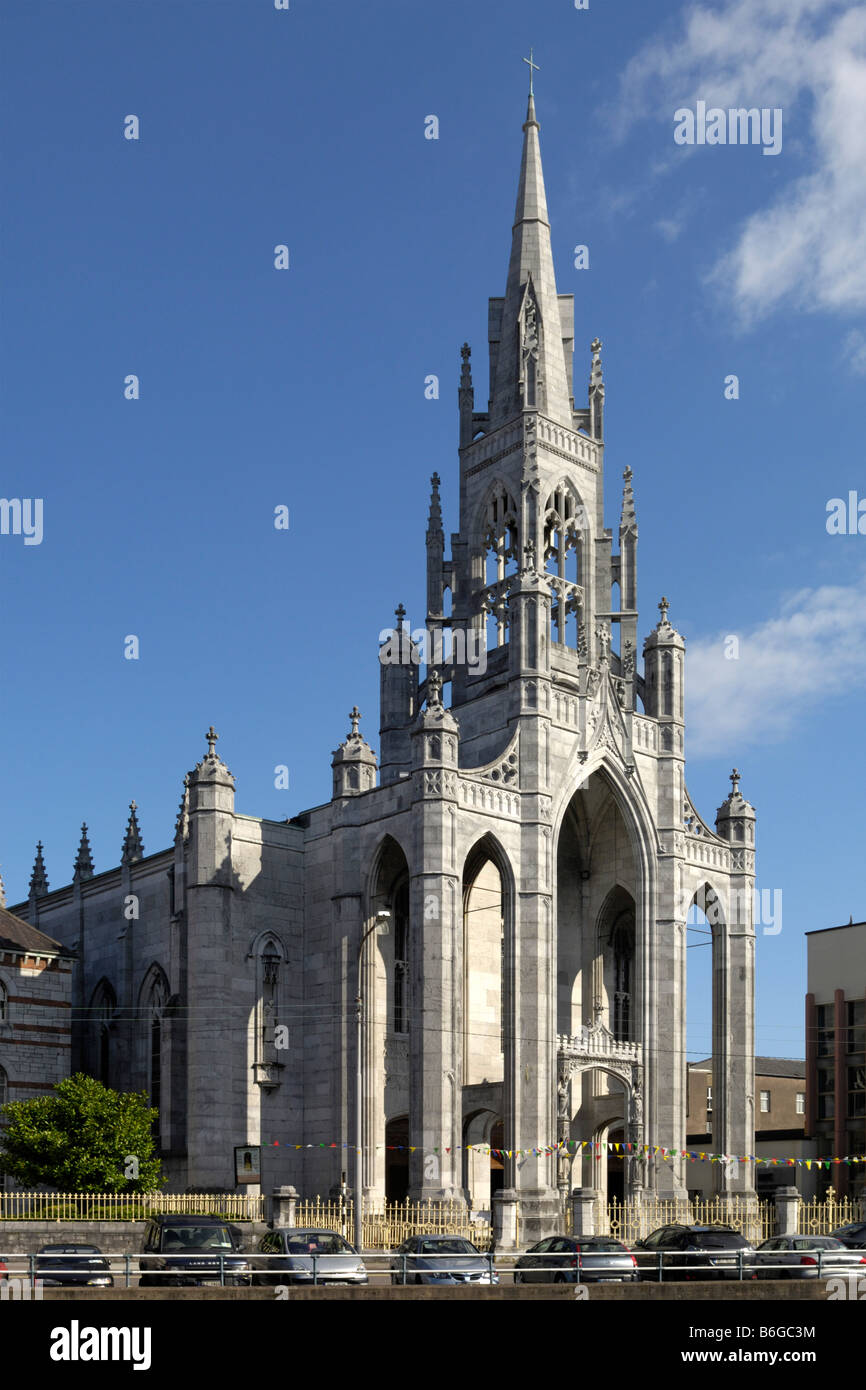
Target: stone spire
2 892
465 396
83 867
133 848
596 391
628 520
531 370
38 880
434 523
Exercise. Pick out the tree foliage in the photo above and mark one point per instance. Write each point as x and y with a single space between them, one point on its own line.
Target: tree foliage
82 1138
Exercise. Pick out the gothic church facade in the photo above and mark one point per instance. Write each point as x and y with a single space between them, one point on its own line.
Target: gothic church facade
529 842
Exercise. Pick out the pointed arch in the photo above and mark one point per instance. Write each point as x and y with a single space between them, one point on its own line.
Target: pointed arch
100 1027
495 559
153 998
565 529
488 949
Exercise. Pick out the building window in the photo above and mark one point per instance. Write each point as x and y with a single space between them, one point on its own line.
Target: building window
765 1102
801 1102
824 1020
623 952
856 1092
401 959
826 1097
4 1003
856 1020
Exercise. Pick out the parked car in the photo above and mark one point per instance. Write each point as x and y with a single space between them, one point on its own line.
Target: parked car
804 1257
576 1259
73 1265
188 1250
437 1259
694 1252
853 1235
4 1272
308 1256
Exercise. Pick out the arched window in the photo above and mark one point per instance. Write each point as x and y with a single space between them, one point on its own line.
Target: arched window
400 1012
102 1008
4 1003
622 945
500 563
564 527
153 999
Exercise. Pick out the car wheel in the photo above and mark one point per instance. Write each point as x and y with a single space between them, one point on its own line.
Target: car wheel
518 1277
561 1279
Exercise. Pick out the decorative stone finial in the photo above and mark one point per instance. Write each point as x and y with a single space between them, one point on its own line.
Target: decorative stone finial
83 867
355 717
211 737
2 892
399 614
181 825
735 782
663 608
133 848
38 880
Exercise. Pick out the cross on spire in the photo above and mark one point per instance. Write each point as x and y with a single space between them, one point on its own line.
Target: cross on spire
735 782
211 737
399 614
532 67
355 717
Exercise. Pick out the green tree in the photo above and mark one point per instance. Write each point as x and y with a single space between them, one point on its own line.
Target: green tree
83 1138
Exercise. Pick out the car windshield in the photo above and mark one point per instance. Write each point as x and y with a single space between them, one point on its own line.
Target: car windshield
718 1240
313 1243
197 1238
446 1247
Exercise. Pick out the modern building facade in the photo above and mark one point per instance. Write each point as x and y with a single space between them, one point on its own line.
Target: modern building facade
836 1053
526 828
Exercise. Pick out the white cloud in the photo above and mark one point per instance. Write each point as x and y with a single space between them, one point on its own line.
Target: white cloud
807 249
854 349
788 666
668 228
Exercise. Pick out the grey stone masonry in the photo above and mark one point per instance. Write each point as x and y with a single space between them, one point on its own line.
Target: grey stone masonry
526 833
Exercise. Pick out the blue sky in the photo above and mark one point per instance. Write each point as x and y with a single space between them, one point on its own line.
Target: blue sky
306 388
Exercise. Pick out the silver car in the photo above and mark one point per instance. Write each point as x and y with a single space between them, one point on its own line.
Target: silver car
306 1256
439 1259
802 1257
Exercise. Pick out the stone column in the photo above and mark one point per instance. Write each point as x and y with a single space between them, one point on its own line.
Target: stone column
583 1200
436 1019
787 1201
505 1207
211 1118
284 1206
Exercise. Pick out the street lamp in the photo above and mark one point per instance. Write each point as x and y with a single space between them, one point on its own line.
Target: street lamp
380 925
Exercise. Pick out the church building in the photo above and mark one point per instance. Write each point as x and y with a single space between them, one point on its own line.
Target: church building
496 904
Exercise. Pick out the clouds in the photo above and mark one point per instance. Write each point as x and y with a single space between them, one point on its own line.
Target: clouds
787 667
807 248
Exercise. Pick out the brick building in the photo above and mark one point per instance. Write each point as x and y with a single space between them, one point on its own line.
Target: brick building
35 1010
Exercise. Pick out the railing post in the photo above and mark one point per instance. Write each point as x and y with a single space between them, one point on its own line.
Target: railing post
222 1270
127 1266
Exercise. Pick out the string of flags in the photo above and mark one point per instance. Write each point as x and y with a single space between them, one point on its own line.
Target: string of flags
573 1147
